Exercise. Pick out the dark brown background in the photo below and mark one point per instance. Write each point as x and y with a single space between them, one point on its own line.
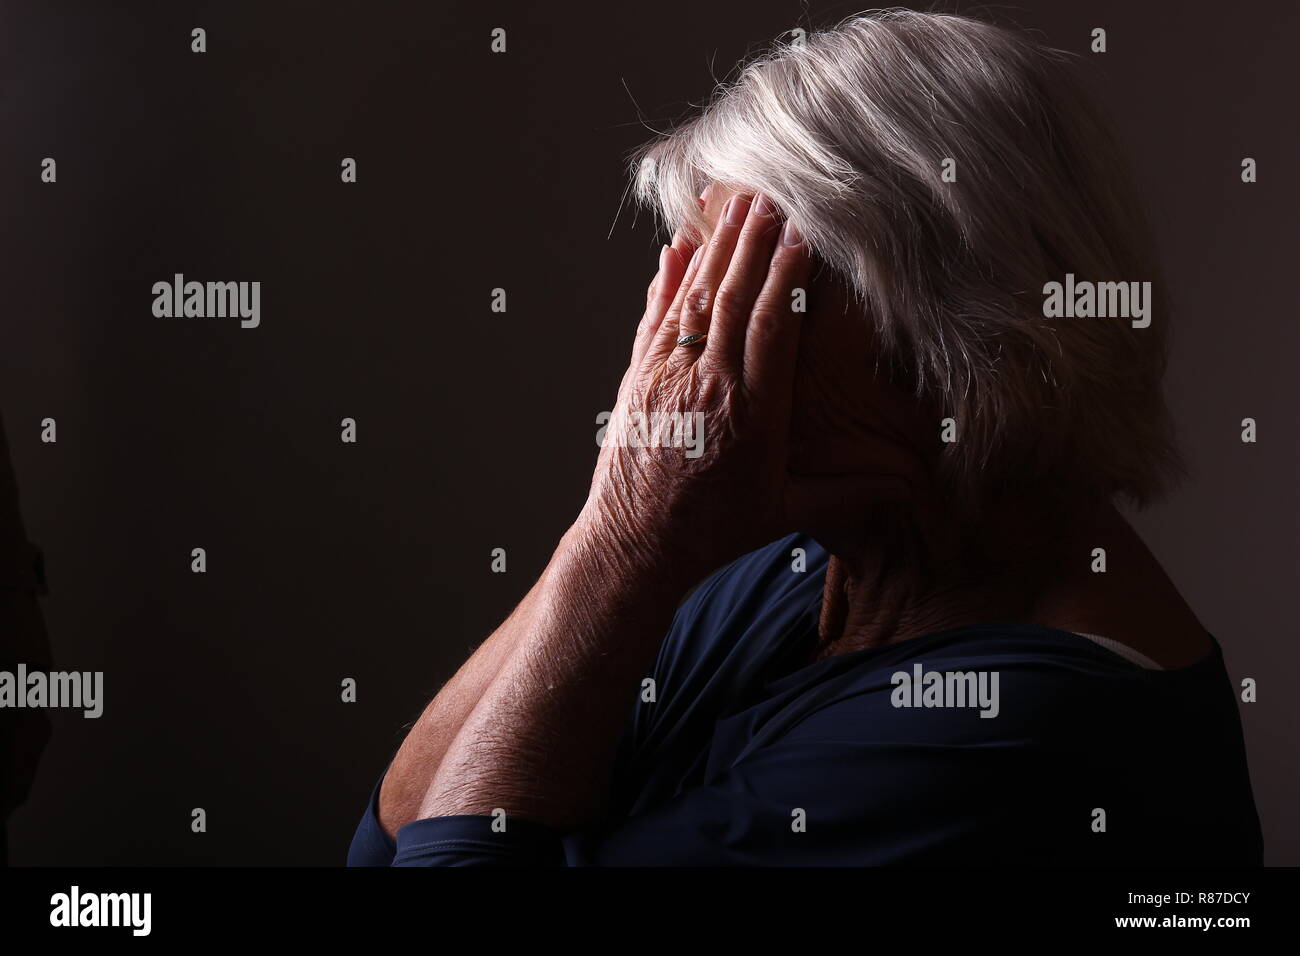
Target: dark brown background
476 429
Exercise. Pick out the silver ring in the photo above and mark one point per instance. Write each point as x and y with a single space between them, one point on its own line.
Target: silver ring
692 338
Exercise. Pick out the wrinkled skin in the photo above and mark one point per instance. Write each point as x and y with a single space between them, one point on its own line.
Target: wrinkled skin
799 434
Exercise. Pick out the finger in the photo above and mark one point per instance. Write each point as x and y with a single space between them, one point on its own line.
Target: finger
672 267
686 250
656 287
772 339
665 339
736 295
696 312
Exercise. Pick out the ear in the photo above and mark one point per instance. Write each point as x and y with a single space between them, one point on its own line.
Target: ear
713 200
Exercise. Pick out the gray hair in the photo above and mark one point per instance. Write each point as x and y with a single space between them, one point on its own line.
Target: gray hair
848 133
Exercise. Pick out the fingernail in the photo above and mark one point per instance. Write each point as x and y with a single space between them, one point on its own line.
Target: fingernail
763 206
737 207
694 256
663 258
791 235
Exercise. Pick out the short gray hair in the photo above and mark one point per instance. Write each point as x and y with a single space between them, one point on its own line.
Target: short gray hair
848 133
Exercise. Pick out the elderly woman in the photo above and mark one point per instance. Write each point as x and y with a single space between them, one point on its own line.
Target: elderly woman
924 632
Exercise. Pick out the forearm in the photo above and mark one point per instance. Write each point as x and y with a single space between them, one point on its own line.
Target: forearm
540 741
416 761
580 591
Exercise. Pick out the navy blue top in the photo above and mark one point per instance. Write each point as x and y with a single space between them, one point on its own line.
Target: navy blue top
749 755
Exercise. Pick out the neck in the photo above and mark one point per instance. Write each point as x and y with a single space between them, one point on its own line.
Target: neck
897 583
1034 564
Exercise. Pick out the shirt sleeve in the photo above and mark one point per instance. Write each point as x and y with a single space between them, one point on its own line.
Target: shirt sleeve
478 840
469 840
371 846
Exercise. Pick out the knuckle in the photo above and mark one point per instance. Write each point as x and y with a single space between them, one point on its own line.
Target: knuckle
728 301
765 319
765 303
697 303
774 302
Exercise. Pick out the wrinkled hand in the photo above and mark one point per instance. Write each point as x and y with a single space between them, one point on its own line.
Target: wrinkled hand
698 497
